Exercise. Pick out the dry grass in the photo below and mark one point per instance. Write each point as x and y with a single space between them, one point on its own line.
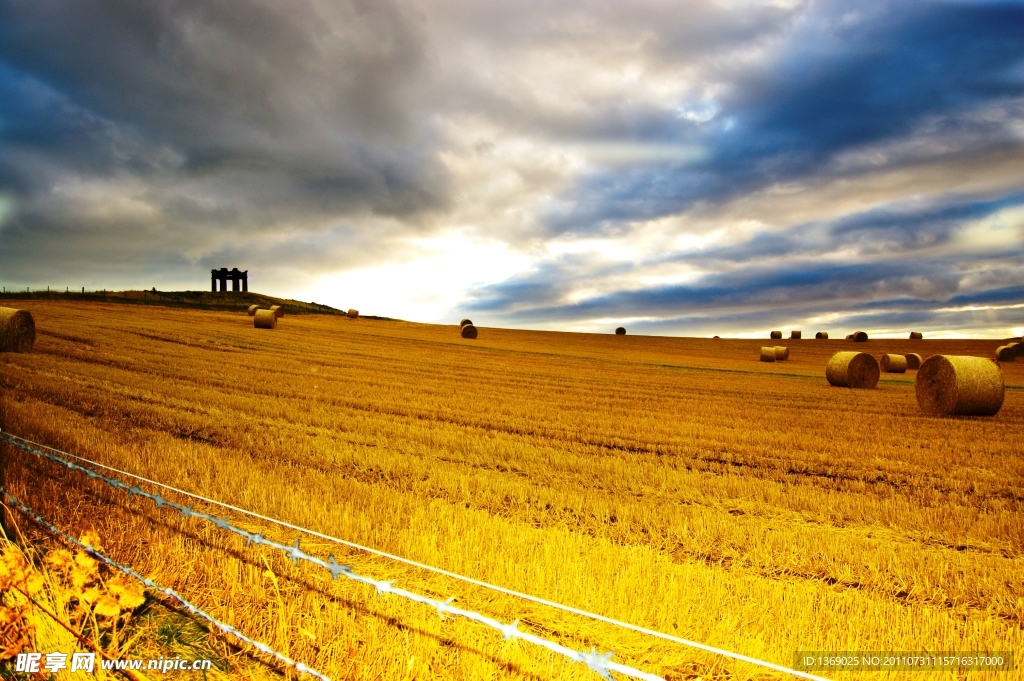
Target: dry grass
676 483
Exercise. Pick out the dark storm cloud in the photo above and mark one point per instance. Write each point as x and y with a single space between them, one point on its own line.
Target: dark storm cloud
900 256
850 75
226 119
901 259
667 37
742 289
924 82
902 229
219 78
759 293
1007 295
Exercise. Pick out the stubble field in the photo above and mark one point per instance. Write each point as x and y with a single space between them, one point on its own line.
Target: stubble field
675 483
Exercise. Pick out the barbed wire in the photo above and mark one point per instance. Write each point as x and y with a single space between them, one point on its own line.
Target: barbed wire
167 591
22 443
599 663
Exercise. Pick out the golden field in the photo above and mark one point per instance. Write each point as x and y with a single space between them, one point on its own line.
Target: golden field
675 483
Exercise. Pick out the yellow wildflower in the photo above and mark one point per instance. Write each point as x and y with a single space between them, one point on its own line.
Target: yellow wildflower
129 595
61 559
90 595
91 539
106 606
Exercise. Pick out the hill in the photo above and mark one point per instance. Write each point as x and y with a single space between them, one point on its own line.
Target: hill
198 300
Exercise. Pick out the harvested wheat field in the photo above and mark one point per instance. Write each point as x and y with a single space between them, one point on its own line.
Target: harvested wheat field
675 483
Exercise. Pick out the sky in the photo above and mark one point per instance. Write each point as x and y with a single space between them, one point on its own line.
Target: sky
678 167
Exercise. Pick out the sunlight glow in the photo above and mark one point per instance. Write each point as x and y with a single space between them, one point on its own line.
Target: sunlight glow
977 308
428 288
1003 229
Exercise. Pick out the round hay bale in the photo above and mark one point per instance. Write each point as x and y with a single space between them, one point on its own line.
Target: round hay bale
913 361
795 335
948 385
859 337
621 331
714 336
264 319
916 335
252 309
776 335
465 321
277 310
768 354
469 331
1005 353
821 335
893 364
781 353
849 336
352 314
1014 347
852 370
17 330
1018 348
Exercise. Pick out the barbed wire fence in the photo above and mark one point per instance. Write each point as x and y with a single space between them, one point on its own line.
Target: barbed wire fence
166 591
599 663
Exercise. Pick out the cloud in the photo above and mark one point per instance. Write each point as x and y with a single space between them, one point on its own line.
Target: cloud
835 85
133 126
908 229
890 262
729 162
